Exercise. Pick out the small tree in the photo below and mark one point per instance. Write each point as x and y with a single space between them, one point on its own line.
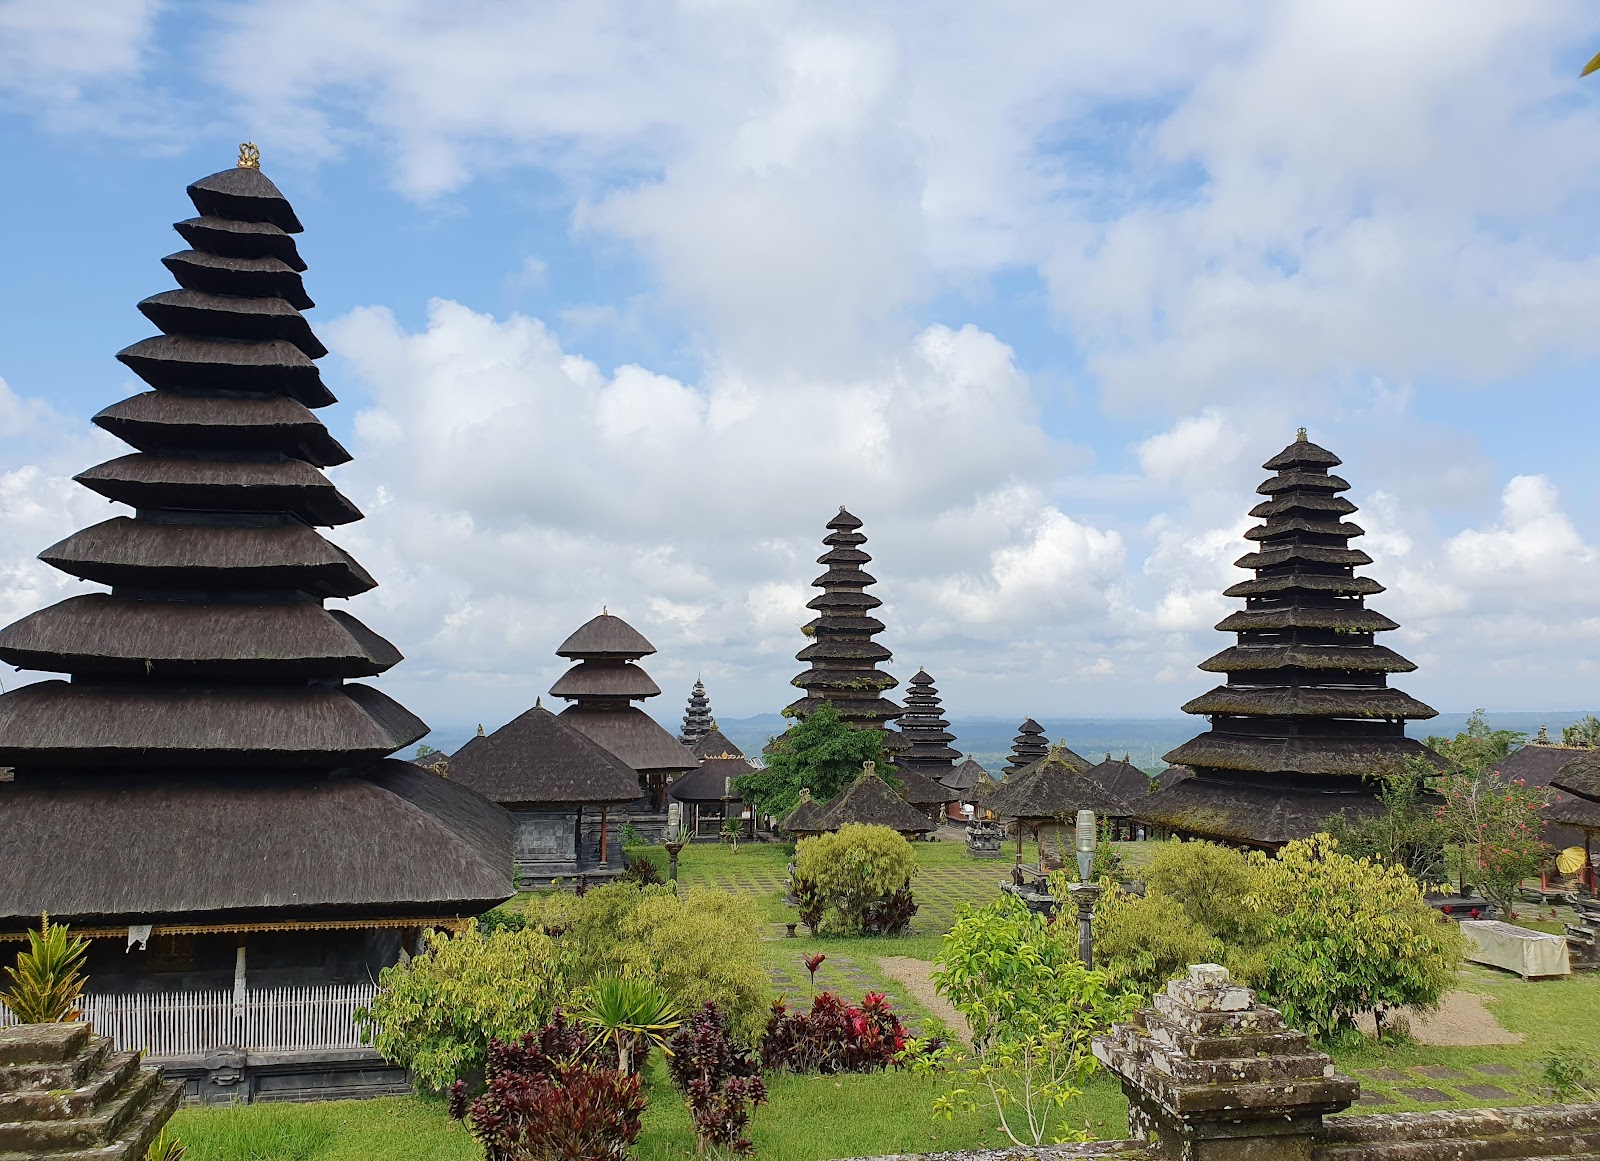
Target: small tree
629 1014
437 1014
1498 826
1584 733
1347 936
1479 748
822 754
856 869
48 979
1409 832
1032 1008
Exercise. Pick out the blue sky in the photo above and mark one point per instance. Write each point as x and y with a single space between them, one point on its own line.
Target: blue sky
624 299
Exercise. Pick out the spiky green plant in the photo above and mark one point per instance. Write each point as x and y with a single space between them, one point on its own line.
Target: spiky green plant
628 1011
165 1147
48 979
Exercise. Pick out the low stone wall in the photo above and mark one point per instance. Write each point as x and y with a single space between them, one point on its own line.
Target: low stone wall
1212 1075
233 1076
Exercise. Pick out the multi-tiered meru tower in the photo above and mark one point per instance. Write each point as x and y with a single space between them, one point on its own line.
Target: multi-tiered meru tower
927 734
211 777
697 719
843 656
1306 716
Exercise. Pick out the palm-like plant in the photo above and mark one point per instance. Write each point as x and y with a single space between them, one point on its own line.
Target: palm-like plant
627 1011
48 979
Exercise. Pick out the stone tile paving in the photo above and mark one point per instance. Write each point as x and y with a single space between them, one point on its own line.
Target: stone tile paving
1428 1096
1438 1072
1519 1085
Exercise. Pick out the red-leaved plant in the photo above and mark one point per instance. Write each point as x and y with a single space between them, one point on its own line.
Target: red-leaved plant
548 1098
835 1036
720 1080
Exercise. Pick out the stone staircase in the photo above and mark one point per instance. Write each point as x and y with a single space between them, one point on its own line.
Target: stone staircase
1538 1133
66 1095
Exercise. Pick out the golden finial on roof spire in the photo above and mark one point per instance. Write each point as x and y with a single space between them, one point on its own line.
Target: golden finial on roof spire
869 768
249 155
1300 435
480 729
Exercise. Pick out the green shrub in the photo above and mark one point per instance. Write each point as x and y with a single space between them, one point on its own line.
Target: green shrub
855 868
1345 936
437 1013
1211 882
1140 944
48 979
703 946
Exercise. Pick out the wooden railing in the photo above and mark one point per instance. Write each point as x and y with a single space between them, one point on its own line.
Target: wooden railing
276 1019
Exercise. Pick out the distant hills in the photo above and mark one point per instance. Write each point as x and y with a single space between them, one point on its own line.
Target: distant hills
1144 740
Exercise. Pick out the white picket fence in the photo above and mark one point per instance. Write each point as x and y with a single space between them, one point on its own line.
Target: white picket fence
312 1016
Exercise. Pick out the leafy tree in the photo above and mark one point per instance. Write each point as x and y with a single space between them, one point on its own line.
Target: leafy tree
1409 832
1140 944
822 754
1032 1008
437 1013
48 980
1211 881
1498 826
1479 748
855 869
1582 733
1346 936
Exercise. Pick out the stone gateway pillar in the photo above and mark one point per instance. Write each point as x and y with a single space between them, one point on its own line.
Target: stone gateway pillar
1211 1075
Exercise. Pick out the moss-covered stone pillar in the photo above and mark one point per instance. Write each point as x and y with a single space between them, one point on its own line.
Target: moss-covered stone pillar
1211 1075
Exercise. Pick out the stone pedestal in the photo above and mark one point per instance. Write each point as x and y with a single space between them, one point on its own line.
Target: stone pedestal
1211 1075
66 1093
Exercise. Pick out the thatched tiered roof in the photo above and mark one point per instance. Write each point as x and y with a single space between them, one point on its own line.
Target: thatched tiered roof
721 764
1581 779
806 817
209 755
1306 713
1123 779
697 719
1053 788
961 779
1027 748
870 800
842 655
920 790
926 732
536 758
602 685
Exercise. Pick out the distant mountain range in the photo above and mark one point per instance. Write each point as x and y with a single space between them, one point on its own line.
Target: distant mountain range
1143 740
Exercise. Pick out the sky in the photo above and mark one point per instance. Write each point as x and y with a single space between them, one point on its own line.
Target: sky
624 300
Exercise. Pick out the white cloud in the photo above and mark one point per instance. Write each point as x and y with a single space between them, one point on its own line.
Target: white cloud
71 63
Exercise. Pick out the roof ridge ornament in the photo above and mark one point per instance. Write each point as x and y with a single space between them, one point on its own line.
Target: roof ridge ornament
1300 435
249 155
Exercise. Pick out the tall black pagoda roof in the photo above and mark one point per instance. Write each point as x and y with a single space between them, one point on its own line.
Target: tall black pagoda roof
926 732
1026 748
1306 712
842 655
211 723
697 719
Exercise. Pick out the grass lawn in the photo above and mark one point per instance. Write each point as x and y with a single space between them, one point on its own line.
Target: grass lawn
813 1118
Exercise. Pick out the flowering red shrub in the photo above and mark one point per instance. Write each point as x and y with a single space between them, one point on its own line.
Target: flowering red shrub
546 1099
834 1036
720 1080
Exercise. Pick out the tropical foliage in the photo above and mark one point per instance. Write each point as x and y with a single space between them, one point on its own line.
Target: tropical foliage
1408 832
1497 826
822 754
860 872
834 1036
47 980
720 1081
629 1014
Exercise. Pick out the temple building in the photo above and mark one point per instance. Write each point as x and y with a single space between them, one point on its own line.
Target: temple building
1129 785
1306 714
963 782
209 797
806 817
1029 746
559 787
1045 797
697 719
873 802
926 732
602 686
710 799
843 657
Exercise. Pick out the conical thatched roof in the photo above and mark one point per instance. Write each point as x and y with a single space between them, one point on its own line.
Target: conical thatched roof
919 790
715 744
805 818
870 800
538 758
961 779
1053 788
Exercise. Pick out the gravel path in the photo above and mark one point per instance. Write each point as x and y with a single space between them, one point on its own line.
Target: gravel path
1462 1021
916 976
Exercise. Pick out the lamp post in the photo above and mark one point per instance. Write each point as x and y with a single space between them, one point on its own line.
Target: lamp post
673 840
1085 892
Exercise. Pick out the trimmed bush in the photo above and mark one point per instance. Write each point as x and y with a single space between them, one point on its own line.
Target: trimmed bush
856 869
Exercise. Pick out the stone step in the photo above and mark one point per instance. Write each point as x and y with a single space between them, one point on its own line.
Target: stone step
42 1043
140 1129
57 1103
102 1126
70 1073
1563 1147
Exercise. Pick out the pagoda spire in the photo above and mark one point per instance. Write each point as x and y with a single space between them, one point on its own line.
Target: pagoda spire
1026 748
926 732
213 644
843 656
697 719
1306 714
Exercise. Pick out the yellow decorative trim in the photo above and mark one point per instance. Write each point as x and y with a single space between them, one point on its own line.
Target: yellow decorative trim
453 923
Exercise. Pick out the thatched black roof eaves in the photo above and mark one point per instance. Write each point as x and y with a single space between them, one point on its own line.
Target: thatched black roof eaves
711 781
1346 658
160 420
152 480
634 736
228 238
252 277
715 744
601 679
1053 788
920 790
870 801
605 636
1257 815
1580 776
538 758
1306 701
1302 453
805 818
244 194
963 777
269 366
1352 757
